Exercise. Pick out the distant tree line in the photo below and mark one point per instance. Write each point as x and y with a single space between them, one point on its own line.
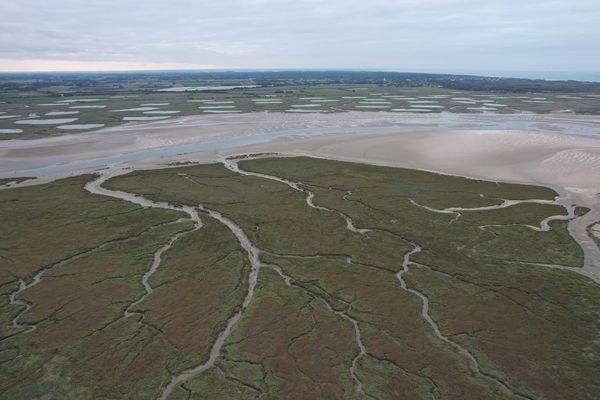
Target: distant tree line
162 79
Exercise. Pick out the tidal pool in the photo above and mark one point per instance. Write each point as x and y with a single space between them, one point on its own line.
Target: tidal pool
78 100
482 109
300 110
9 131
222 111
80 126
62 113
436 96
205 88
408 110
136 109
144 118
56 121
83 107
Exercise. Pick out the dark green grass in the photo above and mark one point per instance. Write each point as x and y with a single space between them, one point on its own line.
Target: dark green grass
530 326
484 286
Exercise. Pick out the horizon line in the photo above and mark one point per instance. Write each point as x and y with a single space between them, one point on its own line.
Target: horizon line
503 74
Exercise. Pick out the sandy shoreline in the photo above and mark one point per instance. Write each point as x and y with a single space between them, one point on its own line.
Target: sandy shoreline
536 149
568 164
210 132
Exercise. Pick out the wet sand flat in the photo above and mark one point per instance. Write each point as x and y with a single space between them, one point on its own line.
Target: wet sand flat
555 133
561 151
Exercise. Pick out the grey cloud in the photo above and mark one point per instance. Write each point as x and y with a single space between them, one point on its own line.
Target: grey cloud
400 34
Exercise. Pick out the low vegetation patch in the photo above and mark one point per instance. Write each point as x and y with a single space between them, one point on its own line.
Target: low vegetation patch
368 287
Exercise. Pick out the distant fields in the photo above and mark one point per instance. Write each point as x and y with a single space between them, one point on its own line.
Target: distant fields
353 285
38 114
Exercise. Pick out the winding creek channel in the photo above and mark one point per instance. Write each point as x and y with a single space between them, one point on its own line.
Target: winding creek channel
253 254
231 164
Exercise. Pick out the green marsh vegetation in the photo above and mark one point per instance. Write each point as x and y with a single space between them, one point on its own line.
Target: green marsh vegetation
530 327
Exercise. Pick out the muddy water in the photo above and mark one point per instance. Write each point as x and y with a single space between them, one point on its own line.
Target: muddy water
544 224
253 256
218 344
13 299
577 227
232 165
436 330
96 188
156 260
289 281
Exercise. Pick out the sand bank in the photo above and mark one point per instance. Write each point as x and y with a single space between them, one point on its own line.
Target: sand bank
573 136
561 151
569 164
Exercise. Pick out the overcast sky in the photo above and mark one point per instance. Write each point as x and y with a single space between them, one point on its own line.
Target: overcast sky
406 35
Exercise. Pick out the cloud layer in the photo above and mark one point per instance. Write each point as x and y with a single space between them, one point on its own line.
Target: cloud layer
392 34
